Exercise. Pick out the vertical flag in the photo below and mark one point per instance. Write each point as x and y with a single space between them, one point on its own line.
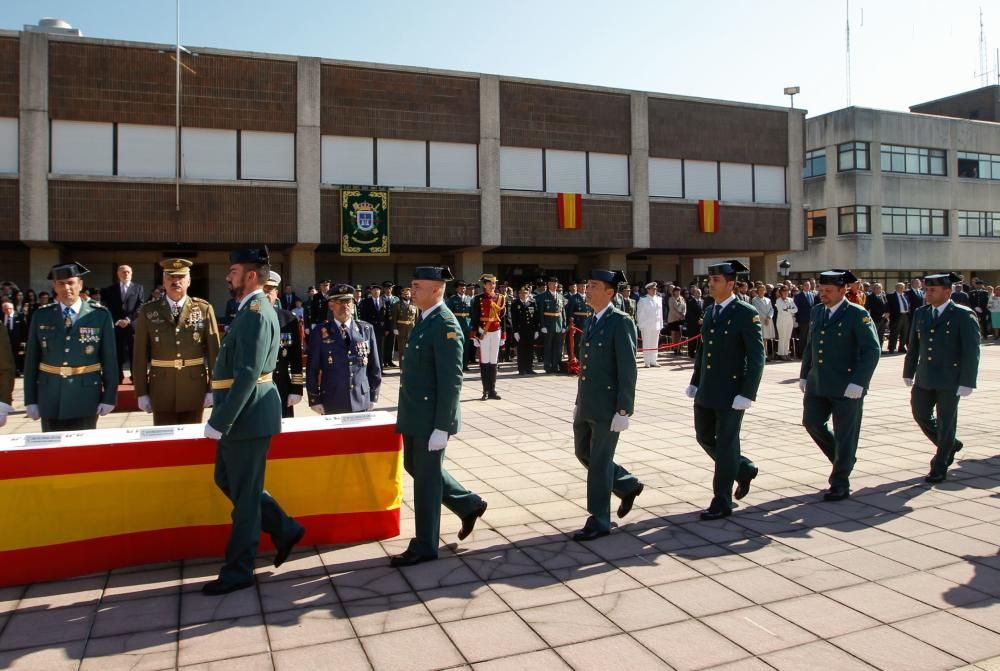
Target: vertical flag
708 216
570 207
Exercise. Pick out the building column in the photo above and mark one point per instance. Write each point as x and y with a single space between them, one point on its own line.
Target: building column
301 259
33 161
614 260
794 190
301 268
764 268
639 170
469 265
686 271
489 161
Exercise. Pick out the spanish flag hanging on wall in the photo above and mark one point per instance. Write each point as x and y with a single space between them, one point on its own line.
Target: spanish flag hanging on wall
708 216
570 210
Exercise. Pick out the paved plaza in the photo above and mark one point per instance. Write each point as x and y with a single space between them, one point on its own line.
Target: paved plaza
901 576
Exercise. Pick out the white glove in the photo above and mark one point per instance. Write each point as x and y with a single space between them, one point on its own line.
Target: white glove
619 423
802 385
908 381
4 410
544 330
438 440
318 408
741 403
503 341
576 412
691 391
371 405
3 419
294 399
963 391
103 409
854 391
144 404
396 331
517 337
536 335
212 433
475 341
32 412
209 400
979 309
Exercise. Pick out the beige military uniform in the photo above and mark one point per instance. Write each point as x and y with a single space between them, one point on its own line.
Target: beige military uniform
404 316
173 358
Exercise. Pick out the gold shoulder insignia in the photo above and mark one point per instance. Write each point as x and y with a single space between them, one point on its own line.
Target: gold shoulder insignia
452 335
255 305
866 319
756 319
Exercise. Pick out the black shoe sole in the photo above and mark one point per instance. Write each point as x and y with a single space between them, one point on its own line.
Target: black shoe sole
711 516
283 553
401 561
626 505
743 486
838 496
580 537
208 589
463 532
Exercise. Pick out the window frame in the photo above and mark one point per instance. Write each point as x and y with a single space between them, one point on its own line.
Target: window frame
914 221
812 218
854 213
854 149
812 158
912 160
987 223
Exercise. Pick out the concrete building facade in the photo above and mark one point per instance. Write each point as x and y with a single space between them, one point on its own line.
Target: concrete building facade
894 195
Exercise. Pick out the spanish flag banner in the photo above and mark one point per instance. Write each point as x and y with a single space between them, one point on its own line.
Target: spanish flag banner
708 216
570 210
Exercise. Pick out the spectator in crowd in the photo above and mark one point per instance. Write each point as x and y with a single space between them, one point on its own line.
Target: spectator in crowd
959 295
804 302
649 319
766 310
17 333
676 311
784 309
878 308
900 308
693 319
994 308
979 299
123 300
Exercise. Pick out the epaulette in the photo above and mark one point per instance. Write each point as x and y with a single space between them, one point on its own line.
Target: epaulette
96 304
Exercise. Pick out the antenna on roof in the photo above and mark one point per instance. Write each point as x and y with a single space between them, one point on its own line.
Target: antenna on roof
984 75
848 49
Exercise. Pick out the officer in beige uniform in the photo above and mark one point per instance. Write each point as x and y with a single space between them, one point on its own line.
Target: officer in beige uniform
176 342
403 314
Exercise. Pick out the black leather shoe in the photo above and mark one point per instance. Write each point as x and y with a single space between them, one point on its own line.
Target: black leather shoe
283 551
408 559
836 494
218 588
486 395
935 477
710 514
626 505
469 522
584 535
743 484
494 396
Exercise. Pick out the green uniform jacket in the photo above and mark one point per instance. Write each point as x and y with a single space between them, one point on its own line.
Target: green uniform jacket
195 335
943 353
249 349
730 359
90 341
461 307
430 377
607 369
7 368
552 309
577 309
842 350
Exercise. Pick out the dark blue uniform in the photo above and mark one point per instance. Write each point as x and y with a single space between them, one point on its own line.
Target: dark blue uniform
344 372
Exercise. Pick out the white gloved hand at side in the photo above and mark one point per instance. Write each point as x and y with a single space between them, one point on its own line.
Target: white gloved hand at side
544 330
475 341
212 433
371 405
209 400
802 385
963 391
318 408
438 440
294 399
536 335
742 403
144 404
103 409
619 423
517 337
854 391
396 331
908 381
691 391
32 412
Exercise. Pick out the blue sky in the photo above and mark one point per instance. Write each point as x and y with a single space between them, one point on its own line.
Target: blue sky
904 52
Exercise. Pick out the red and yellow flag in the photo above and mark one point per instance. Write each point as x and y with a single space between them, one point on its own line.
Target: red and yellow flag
708 216
570 210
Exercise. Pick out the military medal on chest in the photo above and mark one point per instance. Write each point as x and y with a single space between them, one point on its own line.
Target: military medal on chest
362 352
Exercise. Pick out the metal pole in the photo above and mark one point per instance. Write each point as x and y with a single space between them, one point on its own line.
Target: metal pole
177 127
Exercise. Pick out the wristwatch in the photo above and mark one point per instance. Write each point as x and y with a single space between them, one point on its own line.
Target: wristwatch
623 413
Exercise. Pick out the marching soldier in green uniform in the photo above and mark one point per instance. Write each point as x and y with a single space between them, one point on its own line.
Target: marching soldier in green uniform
71 364
837 368
403 316
577 312
246 413
605 399
176 342
941 366
552 305
288 377
727 373
429 413
8 371
628 303
460 304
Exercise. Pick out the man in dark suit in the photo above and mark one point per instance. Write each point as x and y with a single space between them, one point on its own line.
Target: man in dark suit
692 319
900 308
804 302
979 300
915 294
319 310
960 296
878 307
123 300
17 332
373 310
289 297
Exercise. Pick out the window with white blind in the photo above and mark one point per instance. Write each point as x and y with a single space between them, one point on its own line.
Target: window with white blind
401 162
666 177
769 183
267 155
565 171
208 153
347 160
146 151
8 145
521 168
701 180
608 174
82 148
737 182
454 165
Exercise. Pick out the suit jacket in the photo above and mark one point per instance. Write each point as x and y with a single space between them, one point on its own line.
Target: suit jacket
7 370
804 301
430 376
877 306
18 334
195 335
961 298
90 341
248 408
892 302
916 299
954 340
288 300
342 377
842 350
695 310
607 371
730 359
127 308
375 312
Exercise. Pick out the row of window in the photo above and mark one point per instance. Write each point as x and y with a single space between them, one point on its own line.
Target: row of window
559 171
904 221
901 159
713 180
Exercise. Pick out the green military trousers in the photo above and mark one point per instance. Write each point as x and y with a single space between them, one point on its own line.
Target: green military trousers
51 425
840 446
595 444
433 486
941 429
552 351
239 473
717 430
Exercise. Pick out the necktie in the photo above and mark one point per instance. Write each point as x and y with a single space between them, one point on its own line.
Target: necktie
829 314
904 306
343 334
175 310
68 314
716 311
937 313
124 291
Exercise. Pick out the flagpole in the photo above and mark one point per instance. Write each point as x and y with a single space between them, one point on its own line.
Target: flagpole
177 110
